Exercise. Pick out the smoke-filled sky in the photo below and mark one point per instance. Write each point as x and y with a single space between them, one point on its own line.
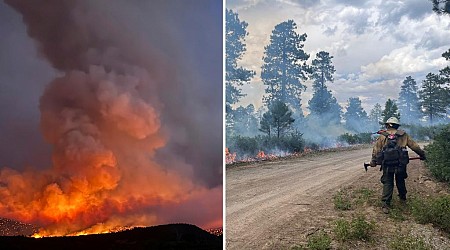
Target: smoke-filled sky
376 44
111 113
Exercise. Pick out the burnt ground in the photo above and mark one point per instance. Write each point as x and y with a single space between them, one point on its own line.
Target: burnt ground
173 236
279 204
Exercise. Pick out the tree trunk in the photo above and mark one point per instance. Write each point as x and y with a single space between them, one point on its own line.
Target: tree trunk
278 130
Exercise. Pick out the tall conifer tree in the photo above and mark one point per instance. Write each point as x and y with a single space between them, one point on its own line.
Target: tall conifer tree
284 67
408 101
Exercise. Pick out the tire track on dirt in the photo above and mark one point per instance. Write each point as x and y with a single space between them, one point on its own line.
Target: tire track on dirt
261 198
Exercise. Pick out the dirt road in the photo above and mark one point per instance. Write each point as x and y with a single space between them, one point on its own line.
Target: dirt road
265 202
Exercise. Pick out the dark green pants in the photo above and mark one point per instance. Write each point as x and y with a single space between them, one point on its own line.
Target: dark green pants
389 174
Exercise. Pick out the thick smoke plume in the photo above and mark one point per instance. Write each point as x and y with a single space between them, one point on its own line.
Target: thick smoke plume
136 141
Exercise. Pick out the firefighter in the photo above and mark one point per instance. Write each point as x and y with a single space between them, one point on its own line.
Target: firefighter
390 152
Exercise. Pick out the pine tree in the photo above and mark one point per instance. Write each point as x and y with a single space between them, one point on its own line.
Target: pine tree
281 117
445 72
441 6
278 118
283 71
375 116
433 97
322 70
376 113
390 110
245 121
408 101
444 75
235 75
323 104
266 123
355 116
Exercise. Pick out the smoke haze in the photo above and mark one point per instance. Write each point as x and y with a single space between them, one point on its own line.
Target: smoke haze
133 116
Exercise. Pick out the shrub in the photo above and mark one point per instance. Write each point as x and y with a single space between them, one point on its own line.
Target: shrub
408 242
360 138
361 229
250 146
419 132
437 155
319 241
294 142
396 214
342 200
246 145
342 230
363 195
432 210
357 229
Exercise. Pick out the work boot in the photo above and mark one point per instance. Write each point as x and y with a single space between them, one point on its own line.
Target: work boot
385 209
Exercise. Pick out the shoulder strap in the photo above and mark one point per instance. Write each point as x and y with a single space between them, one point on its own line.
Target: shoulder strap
400 132
385 133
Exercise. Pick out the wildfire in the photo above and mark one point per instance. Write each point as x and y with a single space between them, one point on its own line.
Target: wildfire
229 157
84 232
37 236
118 158
262 156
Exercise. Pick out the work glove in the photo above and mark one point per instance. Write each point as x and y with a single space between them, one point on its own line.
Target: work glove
373 163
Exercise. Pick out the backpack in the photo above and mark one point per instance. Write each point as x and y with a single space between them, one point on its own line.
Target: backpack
392 154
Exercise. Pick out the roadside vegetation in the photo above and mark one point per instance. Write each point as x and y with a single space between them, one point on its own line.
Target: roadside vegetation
360 138
250 146
438 160
432 210
358 228
355 227
408 241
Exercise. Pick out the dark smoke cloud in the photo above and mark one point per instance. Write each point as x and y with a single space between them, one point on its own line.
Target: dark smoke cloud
137 101
76 34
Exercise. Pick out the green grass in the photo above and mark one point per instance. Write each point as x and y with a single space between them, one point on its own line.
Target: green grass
342 200
356 229
361 229
319 241
363 195
348 199
399 211
408 242
342 230
432 210
397 214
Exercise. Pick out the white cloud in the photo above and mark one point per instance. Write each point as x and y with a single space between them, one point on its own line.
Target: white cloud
401 62
375 44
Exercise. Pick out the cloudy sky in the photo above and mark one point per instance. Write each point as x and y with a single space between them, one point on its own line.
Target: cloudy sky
376 44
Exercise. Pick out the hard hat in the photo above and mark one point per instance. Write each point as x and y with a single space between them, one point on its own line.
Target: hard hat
392 120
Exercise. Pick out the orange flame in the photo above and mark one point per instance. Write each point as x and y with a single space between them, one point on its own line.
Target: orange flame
261 156
229 157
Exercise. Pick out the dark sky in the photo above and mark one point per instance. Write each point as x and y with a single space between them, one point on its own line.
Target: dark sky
23 76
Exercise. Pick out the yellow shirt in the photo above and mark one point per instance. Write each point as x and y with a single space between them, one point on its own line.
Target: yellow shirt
403 140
